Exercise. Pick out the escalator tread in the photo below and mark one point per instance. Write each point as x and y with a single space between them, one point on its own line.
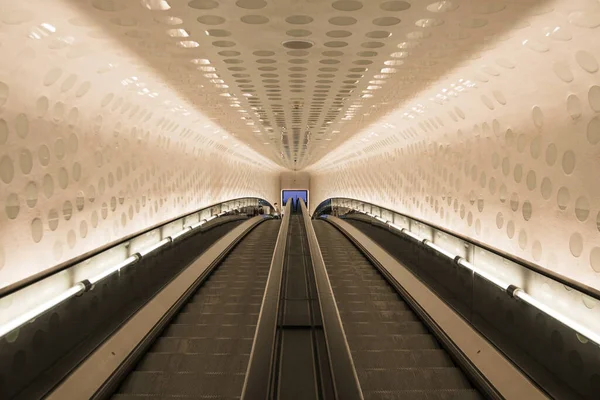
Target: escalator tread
395 355
204 352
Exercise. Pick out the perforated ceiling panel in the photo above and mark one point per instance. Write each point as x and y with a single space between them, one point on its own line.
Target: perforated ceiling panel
292 78
476 115
94 145
505 148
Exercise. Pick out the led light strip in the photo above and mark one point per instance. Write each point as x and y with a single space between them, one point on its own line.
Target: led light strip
512 290
576 326
87 284
36 311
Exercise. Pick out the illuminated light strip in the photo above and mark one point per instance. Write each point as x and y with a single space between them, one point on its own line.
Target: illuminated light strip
154 247
85 285
35 312
181 233
497 281
198 224
397 227
412 235
584 331
439 249
514 291
127 262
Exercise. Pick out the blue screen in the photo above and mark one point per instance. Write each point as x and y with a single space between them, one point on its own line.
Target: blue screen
294 194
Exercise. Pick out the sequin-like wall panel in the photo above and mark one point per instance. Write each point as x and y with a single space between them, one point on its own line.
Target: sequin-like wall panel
504 149
94 147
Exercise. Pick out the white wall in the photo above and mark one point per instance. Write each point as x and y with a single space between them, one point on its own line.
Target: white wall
505 149
94 147
294 180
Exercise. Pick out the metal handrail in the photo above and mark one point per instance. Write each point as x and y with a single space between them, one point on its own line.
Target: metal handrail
84 284
15 287
587 290
343 372
257 383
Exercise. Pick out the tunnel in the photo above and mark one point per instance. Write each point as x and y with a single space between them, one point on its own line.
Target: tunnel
300 199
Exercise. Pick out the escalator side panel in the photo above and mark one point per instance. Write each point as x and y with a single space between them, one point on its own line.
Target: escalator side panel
396 357
204 352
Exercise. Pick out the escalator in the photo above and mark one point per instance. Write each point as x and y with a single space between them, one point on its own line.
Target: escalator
204 351
394 354
302 370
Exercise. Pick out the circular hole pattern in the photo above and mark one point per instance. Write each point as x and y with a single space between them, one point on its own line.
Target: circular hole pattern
211 20
568 162
251 4
378 34
395 6
595 263
298 33
386 21
299 19
4 91
7 169
347 5
298 44
254 19
203 4
574 107
586 61
343 21
37 230
593 130
576 244
339 34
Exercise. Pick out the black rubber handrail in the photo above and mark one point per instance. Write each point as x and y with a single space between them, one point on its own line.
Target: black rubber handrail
343 371
15 287
258 381
580 287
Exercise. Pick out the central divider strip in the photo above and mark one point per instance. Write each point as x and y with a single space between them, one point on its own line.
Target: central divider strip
257 384
343 372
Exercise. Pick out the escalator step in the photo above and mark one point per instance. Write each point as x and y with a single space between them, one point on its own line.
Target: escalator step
365 289
227 298
390 342
197 330
415 379
393 359
183 384
204 352
366 316
211 308
361 305
231 318
372 296
455 394
208 363
235 345
387 327
395 355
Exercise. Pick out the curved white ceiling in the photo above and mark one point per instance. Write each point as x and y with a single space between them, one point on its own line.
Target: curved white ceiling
505 148
476 115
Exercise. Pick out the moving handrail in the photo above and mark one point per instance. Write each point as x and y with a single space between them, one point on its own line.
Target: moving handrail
512 289
487 367
343 372
19 312
353 204
101 373
231 205
549 331
257 384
